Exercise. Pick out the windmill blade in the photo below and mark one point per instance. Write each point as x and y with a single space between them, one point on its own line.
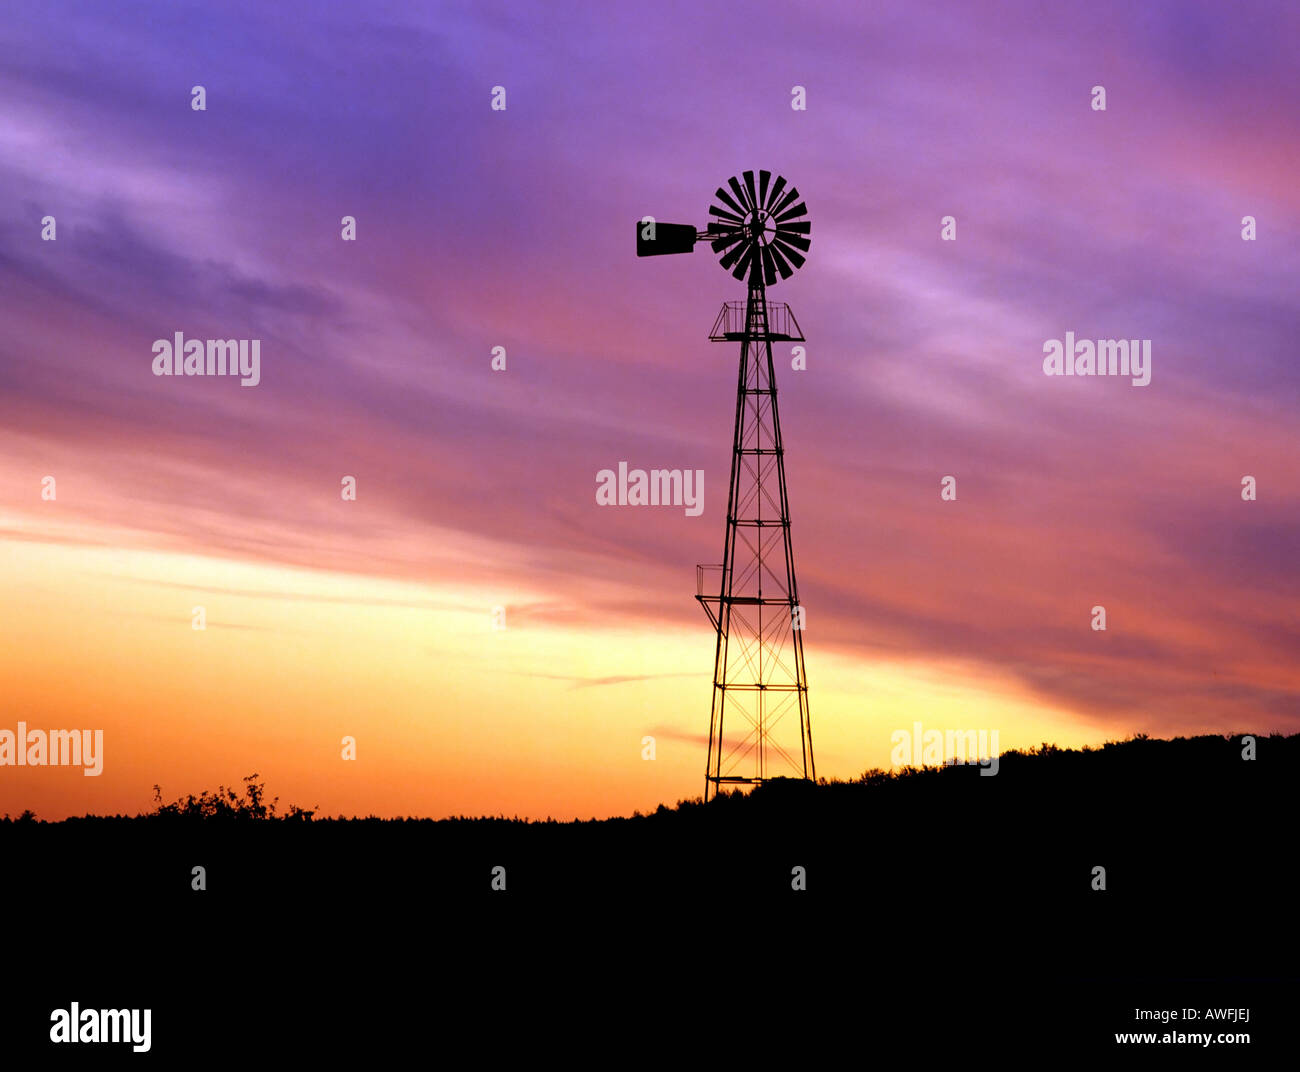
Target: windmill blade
764 177
729 259
725 198
723 215
781 264
799 210
801 227
743 266
796 258
749 185
769 269
740 194
789 199
792 239
777 187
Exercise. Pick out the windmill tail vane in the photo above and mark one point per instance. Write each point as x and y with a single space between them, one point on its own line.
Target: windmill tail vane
759 726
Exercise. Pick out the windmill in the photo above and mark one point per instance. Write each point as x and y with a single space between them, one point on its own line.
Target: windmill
758 723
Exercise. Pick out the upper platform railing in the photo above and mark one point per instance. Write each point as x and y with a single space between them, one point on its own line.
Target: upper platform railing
730 325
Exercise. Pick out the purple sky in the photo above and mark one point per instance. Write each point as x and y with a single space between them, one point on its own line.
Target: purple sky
479 228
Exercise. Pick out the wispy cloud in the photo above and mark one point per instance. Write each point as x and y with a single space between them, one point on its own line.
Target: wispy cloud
478 229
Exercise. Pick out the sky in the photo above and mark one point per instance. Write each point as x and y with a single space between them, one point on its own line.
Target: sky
479 228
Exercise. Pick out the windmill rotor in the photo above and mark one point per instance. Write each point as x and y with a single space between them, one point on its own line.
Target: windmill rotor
758 230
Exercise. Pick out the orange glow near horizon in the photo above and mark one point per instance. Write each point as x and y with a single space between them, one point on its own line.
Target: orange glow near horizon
450 716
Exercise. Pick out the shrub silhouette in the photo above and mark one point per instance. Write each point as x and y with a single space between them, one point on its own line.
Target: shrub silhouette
225 805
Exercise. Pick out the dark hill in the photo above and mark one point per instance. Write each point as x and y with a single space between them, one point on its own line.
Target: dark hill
1174 823
939 903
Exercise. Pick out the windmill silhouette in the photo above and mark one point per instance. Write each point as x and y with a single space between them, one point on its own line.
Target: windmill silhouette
759 726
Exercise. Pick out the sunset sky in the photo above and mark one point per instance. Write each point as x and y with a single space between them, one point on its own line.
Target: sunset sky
475 489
